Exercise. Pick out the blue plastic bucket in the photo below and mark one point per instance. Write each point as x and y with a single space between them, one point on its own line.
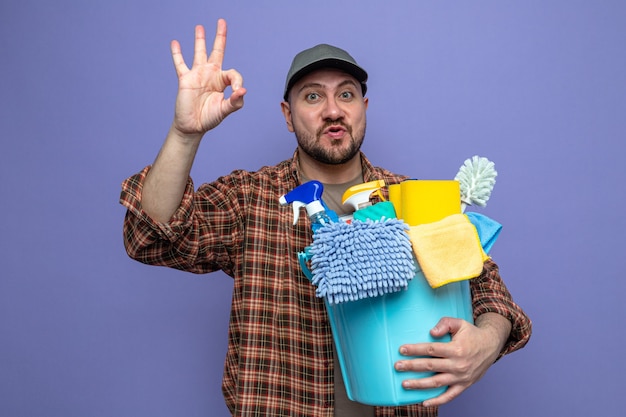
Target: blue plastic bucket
368 334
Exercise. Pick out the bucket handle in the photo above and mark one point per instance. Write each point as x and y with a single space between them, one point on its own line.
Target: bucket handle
303 258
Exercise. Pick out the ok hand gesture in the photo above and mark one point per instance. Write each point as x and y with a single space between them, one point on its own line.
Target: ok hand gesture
201 104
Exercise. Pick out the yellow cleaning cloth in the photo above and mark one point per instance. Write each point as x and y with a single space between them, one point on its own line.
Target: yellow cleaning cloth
448 250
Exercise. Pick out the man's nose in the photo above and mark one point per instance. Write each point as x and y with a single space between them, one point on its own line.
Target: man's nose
333 109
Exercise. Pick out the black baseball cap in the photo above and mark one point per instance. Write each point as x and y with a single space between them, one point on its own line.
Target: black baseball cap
323 56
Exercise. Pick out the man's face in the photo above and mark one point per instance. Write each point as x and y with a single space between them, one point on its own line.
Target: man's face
326 111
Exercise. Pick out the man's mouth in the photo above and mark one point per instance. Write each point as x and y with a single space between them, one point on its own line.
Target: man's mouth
335 131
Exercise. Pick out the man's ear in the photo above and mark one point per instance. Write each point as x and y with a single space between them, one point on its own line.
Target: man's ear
286 109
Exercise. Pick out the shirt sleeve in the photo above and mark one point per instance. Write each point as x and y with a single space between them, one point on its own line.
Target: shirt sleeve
199 237
490 295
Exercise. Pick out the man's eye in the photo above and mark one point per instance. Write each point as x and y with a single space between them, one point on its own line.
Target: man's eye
312 96
346 95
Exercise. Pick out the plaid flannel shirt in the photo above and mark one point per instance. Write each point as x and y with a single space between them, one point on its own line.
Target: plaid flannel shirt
280 348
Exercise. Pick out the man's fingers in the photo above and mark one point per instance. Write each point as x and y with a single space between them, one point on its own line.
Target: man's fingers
450 394
200 52
447 325
219 44
177 57
434 349
435 365
435 381
235 101
199 56
233 78
455 387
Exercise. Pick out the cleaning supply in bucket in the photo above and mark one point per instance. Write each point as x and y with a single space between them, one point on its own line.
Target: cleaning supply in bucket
308 195
487 228
358 197
448 250
362 259
427 201
368 256
476 177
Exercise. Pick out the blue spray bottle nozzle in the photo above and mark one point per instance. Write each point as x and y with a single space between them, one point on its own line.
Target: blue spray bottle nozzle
308 195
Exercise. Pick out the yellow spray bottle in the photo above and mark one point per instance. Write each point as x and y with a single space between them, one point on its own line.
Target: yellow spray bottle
358 197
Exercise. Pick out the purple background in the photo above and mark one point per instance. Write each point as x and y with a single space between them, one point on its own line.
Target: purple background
88 87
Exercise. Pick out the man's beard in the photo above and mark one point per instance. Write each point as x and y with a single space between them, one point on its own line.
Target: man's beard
335 155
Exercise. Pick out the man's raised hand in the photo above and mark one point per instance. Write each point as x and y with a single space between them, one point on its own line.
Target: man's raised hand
201 103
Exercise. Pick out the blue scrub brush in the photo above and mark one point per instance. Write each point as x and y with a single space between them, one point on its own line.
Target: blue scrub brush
353 261
477 177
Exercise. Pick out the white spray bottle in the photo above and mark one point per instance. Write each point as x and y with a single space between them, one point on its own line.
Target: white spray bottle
358 197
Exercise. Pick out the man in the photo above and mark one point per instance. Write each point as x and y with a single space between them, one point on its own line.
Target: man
280 352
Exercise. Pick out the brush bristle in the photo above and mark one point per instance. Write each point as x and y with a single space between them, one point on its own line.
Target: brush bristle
477 177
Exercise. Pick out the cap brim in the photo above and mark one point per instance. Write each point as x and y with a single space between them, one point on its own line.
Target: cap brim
350 68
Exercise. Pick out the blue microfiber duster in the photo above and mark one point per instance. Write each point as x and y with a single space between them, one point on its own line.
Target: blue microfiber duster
364 259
